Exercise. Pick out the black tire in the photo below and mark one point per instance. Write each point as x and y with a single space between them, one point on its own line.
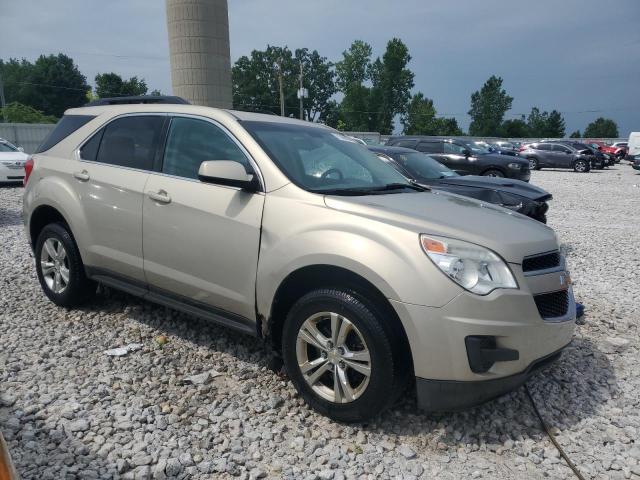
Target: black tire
390 367
581 166
79 288
492 172
533 163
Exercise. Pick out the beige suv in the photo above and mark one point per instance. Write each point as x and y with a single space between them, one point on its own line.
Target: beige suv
291 232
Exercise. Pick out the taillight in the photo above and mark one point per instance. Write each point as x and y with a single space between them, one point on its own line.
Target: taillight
28 168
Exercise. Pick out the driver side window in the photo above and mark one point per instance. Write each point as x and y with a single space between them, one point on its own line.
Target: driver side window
454 148
191 141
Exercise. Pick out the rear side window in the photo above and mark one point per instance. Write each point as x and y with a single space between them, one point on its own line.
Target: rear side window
128 142
405 143
430 147
191 142
543 146
65 127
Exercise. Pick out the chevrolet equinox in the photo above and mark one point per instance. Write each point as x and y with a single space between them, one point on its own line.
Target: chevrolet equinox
363 282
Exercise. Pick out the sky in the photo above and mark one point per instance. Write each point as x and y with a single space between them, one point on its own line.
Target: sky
581 57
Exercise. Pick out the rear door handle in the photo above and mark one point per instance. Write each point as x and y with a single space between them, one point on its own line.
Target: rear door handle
160 196
83 176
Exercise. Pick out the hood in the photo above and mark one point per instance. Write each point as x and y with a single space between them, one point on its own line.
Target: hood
13 157
515 187
511 235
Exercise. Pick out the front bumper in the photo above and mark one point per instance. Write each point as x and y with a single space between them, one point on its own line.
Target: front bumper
449 396
522 174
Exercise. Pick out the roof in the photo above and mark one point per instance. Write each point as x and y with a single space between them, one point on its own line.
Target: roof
120 109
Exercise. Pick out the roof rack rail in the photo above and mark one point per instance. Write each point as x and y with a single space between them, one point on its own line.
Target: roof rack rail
159 99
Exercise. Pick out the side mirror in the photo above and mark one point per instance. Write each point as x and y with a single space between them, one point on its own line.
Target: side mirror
20 149
227 172
466 152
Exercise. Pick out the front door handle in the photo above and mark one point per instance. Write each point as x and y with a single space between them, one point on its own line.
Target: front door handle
160 196
83 176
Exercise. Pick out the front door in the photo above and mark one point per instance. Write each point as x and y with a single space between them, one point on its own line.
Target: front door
201 240
455 158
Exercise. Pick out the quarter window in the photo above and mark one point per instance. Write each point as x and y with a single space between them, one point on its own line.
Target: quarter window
192 141
128 142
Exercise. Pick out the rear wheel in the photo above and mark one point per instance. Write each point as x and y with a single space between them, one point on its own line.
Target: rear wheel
59 267
581 166
533 164
493 173
341 357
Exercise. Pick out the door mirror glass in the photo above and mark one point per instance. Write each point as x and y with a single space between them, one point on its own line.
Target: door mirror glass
466 152
227 172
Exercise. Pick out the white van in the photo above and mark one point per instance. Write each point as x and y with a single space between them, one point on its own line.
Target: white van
634 144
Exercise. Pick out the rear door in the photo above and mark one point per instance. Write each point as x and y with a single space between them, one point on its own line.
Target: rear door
113 169
546 157
201 240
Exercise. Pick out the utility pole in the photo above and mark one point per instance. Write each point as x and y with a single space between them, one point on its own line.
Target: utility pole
281 87
301 94
2 101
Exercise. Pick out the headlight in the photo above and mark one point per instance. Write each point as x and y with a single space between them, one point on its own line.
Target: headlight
471 266
515 166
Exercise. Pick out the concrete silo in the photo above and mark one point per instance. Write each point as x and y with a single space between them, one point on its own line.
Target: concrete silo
199 51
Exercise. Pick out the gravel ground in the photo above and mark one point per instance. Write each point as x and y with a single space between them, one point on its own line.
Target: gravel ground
206 405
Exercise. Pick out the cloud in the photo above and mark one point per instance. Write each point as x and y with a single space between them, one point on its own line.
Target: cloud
574 55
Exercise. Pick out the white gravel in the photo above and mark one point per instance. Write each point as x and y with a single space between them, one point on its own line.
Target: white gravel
205 405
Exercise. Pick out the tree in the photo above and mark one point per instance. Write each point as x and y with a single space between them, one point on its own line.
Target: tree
555 125
51 84
351 72
420 116
392 83
601 128
488 106
515 128
16 112
112 85
575 134
420 119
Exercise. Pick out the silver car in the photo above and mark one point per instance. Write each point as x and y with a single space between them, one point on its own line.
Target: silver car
296 234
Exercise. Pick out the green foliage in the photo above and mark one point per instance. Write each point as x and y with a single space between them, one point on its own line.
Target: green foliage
256 86
155 92
575 134
51 84
15 112
355 66
420 119
488 106
601 128
112 85
515 128
544 124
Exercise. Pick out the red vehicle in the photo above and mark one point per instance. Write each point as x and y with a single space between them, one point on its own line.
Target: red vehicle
618 149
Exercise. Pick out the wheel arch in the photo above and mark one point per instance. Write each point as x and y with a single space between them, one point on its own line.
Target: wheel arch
312 277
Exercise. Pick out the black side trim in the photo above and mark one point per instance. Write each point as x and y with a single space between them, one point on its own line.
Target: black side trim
171 300
451 395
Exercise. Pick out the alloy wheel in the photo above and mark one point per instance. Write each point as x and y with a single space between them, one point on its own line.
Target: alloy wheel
333 357
54 265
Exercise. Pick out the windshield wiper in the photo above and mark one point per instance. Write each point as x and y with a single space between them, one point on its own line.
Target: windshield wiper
369 190
397 186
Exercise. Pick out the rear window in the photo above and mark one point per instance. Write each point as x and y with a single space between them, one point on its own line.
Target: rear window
65 127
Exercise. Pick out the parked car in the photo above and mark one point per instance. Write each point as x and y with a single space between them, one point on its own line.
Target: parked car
505 148
617 149
599 160
604 149
291 232
621 149
466 158
12 161
556 155
425 170
633 146
636 162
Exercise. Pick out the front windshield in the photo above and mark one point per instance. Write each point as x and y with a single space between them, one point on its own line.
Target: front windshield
324 161
422 167
5 147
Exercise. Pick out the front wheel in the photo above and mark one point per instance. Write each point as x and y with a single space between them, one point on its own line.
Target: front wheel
581 166
493 173
340 357
59 267
533 164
